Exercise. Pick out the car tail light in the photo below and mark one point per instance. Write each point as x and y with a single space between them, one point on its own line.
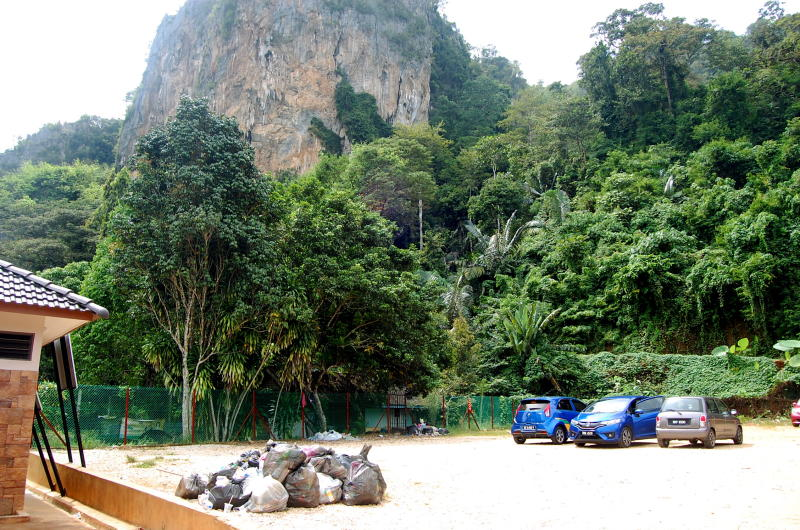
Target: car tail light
702 418
547 411
658 420
519 408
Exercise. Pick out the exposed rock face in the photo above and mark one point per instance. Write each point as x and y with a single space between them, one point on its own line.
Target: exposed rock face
273 65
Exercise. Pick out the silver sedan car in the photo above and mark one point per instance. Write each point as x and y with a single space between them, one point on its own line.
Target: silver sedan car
697 419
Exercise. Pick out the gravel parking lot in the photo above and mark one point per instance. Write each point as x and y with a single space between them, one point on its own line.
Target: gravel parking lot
488 481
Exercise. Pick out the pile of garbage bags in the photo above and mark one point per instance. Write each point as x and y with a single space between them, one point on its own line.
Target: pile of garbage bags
285 475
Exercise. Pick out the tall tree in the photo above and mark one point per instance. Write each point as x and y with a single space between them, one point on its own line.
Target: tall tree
190 238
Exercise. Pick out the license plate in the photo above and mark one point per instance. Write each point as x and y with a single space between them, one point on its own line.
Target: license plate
678 422
528 428
587 434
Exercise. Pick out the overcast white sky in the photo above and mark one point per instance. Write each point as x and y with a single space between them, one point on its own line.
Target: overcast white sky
61 59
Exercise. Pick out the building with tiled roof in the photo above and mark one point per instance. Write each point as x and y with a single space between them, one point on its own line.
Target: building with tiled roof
33 313
22 290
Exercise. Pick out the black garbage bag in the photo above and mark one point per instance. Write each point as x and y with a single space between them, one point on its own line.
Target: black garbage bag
227 473
191 486
303 487
412 430
364 484
249 458
330 465
443 431
232 493
280 462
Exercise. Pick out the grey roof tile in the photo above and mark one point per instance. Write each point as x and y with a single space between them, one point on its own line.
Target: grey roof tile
18 286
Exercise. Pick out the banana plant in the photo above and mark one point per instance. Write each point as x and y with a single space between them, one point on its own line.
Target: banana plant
788 348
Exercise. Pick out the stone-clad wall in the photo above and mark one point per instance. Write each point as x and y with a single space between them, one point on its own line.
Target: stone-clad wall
17 397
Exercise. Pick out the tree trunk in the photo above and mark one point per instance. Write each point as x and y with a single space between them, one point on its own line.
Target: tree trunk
555 383
665 76
420 224
320 413
186 402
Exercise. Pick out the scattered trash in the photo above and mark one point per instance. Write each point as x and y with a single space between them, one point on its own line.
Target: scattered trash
423 429
285 475
191 486
331 436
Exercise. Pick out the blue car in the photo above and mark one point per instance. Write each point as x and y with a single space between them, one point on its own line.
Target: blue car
545 417
616 420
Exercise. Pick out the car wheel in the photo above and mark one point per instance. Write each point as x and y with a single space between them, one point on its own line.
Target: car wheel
625 437
580 444
559 435
663 443
739 438
795 424
519 440
711 440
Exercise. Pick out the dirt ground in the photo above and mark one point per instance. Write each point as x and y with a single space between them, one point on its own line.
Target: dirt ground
488 481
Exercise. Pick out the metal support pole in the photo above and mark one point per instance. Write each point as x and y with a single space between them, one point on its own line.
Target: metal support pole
77 426
127 408
44 462
444 413
50 455
59 391
492 407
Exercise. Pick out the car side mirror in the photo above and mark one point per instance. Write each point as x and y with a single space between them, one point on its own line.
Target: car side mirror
734 412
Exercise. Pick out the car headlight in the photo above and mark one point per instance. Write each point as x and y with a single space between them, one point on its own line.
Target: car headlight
574 423
612 422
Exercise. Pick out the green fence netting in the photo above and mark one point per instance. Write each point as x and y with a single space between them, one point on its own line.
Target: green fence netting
148 416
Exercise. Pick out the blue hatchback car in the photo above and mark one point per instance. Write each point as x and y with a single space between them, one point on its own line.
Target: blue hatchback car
616 420
545 417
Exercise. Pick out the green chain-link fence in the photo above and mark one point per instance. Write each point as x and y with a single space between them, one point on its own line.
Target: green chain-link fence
121 415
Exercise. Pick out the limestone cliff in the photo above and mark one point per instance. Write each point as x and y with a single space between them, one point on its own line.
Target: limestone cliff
273 65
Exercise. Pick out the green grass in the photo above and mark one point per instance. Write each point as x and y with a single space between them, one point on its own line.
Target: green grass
146 463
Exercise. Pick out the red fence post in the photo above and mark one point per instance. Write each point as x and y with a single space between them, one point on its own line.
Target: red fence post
347 411
388 417
127 407
444 413
302 414
194 413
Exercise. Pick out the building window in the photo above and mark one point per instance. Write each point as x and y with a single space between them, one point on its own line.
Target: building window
16 346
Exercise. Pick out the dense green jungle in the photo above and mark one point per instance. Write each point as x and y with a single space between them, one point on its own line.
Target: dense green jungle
531 239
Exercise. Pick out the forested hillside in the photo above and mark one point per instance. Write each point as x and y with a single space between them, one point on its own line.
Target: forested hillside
652 206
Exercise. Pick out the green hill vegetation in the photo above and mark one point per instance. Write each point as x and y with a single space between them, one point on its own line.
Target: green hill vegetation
652 206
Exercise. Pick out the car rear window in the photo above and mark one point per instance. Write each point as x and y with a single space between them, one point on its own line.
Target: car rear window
539 404
683 404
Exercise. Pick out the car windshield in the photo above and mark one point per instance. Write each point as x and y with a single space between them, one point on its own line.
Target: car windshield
608 405
682 404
